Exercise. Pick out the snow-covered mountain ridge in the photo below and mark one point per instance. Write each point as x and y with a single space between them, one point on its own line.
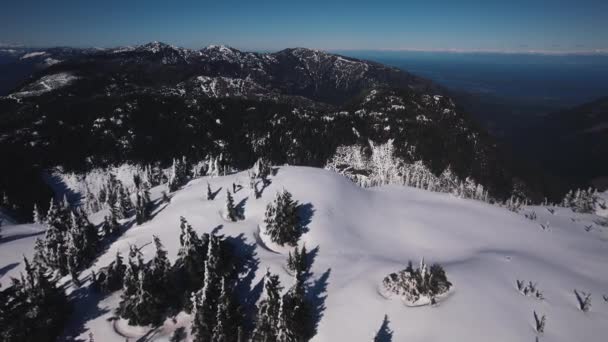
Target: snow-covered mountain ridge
361 235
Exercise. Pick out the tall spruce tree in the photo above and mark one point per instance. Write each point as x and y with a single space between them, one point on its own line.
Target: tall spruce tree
205 300
124 201
267 320
111 226
111 278
159 275
189 268
295 317
282 220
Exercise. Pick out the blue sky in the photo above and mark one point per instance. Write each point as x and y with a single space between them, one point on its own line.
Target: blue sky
514 25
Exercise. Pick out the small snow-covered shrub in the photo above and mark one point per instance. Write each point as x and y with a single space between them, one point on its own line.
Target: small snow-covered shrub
417 287
540 322
531 289
584 300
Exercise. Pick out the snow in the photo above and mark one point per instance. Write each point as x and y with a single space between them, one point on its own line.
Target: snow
46 84
16 241
33 54
362 235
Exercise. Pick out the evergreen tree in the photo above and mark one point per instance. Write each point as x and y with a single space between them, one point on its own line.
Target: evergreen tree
189 268
136 304
179 174
295 316
266 325
37 215
205 300
282 220
33 308
111 278
231 212
142 206
55 247
124 201
159 275
296 262
111 226
222 329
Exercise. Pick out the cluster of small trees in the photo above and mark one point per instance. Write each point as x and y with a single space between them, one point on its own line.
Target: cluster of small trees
382 166
283 223
260 171
183 170
33 308
71 242
581 201
200 282
530 289
286 317
179 174
418 286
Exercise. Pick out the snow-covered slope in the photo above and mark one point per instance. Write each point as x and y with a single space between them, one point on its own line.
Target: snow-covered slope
360 235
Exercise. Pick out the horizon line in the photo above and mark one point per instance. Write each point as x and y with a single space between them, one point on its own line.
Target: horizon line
587 52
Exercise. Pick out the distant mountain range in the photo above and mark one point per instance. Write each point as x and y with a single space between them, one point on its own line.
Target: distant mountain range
95 107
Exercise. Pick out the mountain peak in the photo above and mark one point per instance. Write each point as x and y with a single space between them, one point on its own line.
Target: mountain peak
155 47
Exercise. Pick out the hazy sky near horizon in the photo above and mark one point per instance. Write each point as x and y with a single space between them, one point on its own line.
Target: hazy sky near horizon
506 25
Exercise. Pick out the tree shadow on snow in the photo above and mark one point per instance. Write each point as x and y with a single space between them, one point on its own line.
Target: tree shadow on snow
85 304
248 293
240 208
19 236
384 334
306 212
214 194
310 260
154 208
215 230
61 189
4 270
317 294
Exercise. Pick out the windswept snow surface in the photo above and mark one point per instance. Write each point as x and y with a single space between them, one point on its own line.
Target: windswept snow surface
46 84
364 234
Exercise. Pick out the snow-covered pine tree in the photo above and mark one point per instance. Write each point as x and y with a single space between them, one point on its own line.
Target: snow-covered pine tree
189 266
224 329
55 248
205 300
133 295
33 308
111 278
261 169
179 174
159 275
124 201
296 261
209 295
111 226
267 320
142 206
231 212
295 316
282 220
37 215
